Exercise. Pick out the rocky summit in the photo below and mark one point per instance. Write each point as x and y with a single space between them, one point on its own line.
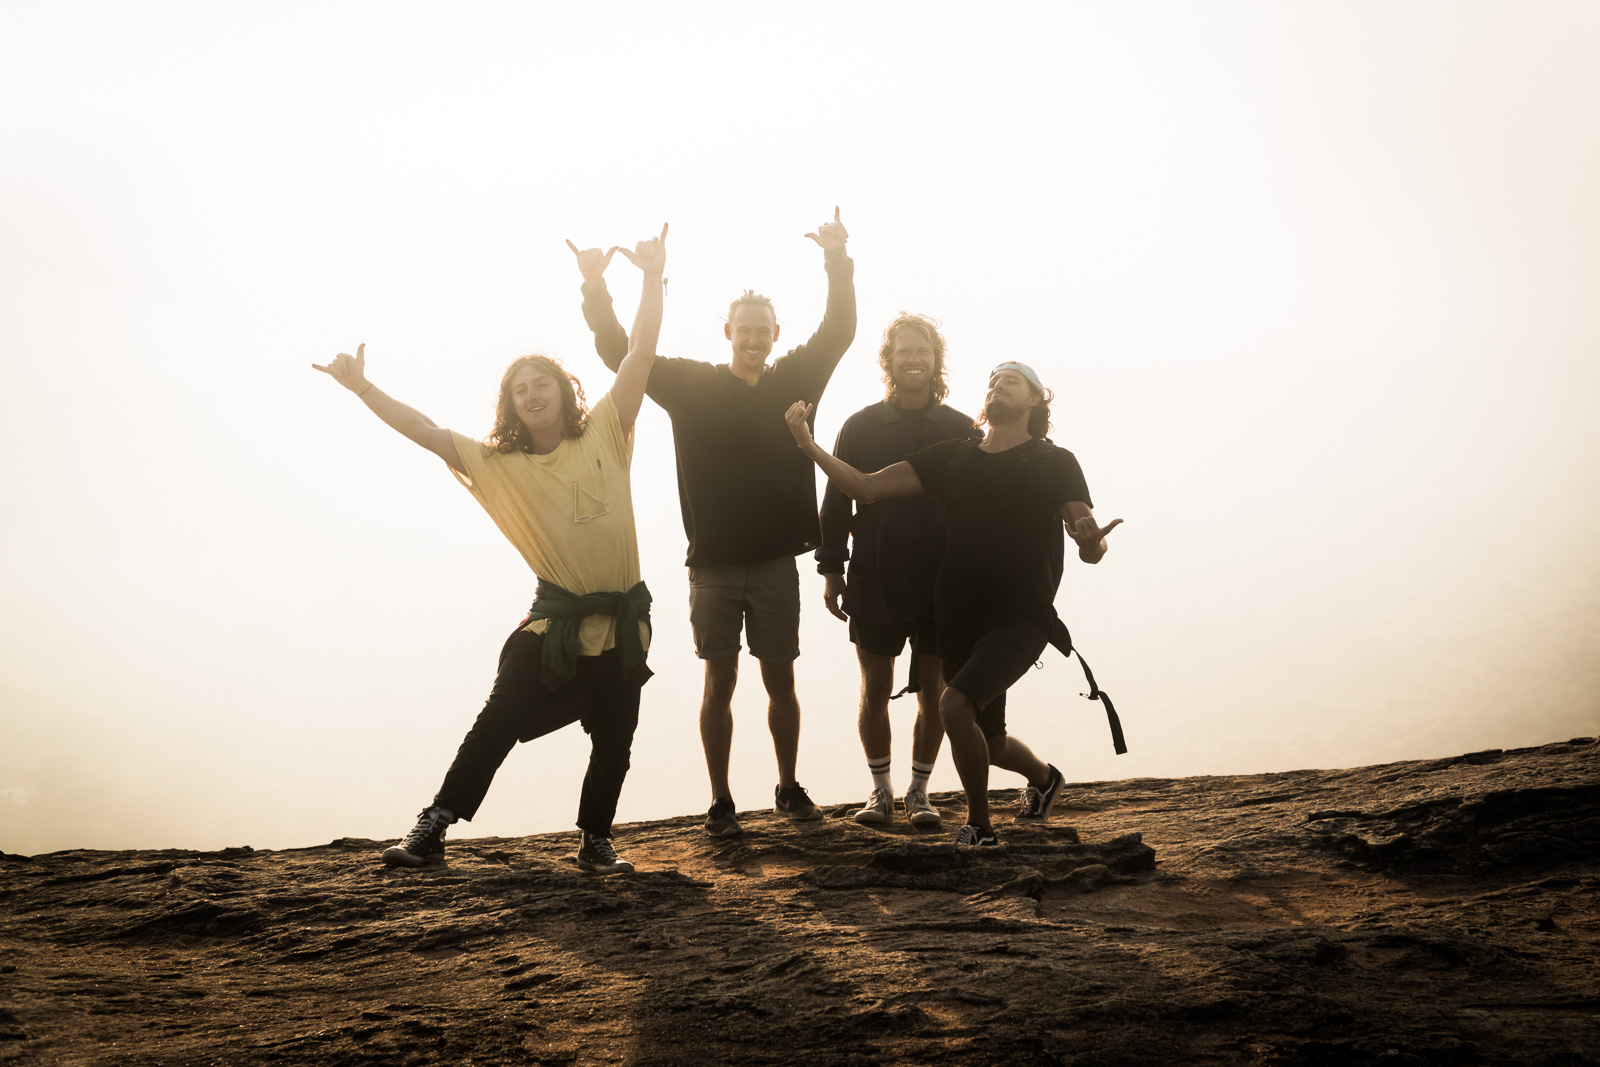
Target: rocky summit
1431 912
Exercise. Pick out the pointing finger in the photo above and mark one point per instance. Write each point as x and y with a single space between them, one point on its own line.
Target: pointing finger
836 213
663 231
572 246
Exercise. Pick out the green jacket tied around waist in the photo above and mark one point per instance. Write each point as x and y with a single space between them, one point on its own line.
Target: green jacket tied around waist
566 611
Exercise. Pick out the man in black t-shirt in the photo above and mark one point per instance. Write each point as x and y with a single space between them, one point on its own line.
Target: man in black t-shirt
749 503
1007 500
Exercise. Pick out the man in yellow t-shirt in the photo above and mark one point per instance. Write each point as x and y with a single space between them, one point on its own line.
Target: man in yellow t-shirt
554 477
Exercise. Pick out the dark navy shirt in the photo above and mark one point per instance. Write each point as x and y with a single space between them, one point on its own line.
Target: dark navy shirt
893 545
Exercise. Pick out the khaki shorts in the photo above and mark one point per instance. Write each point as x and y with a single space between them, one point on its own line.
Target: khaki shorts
762 599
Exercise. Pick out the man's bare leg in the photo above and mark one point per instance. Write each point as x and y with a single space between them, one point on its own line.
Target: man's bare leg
969 750
783 717
927 733
1010 754
716 721
872 722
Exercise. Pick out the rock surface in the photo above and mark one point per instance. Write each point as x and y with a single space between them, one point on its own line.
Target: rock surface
1439 911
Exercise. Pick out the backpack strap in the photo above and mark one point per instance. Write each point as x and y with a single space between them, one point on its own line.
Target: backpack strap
1061 639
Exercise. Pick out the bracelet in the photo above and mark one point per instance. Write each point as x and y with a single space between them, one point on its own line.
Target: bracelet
365 391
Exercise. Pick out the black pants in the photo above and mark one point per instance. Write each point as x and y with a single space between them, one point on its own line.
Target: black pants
520 708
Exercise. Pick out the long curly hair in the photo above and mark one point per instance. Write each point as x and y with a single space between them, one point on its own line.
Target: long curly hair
930 329
509 434
1039 417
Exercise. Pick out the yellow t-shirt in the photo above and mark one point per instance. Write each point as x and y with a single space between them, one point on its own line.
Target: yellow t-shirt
570 513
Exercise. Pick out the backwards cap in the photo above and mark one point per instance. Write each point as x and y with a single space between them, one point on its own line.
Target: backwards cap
1022 369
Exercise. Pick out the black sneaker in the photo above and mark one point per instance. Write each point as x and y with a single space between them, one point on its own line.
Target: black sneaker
793 803
1037 801
424 844
720 821
979 836
598 856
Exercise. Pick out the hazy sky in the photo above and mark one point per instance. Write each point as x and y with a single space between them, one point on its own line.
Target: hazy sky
1314 284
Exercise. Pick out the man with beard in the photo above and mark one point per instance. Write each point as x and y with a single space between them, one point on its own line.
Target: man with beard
749 503
554 478
1006 500
893 549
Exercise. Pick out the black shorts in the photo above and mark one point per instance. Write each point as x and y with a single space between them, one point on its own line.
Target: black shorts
889 638
984 671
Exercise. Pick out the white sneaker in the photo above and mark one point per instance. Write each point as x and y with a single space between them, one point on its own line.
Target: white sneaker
920 811
879 809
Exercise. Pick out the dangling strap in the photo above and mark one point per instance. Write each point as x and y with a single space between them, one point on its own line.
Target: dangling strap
1095 693
1061 638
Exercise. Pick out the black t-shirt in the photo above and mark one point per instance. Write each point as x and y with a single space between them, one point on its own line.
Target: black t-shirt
1003 547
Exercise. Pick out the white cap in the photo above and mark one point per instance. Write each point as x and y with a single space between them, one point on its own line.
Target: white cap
1022 369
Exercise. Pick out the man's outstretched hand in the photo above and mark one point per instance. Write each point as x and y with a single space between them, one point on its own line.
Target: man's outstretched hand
649 255
831 235
796 418
592 262
1088 534
349 371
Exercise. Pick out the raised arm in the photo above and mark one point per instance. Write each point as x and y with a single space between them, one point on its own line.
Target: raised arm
897 479
634 372
610 340
351 372
819 355
1082 528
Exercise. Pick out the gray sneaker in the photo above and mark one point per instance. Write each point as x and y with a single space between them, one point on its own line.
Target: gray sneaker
720 821
598 856
424 845
1037 802
879 809
920 811
793 803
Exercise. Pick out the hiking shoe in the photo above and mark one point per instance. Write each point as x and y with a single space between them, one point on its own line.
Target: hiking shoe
720 821
1036 802
598 856
793 803
920 811
879 809
977 836
424 844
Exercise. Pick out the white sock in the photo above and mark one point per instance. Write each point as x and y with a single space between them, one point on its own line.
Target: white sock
880 773
919 774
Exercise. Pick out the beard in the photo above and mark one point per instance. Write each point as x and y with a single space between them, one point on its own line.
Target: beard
999 411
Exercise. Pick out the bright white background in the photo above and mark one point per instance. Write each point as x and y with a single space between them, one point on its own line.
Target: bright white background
1314 283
